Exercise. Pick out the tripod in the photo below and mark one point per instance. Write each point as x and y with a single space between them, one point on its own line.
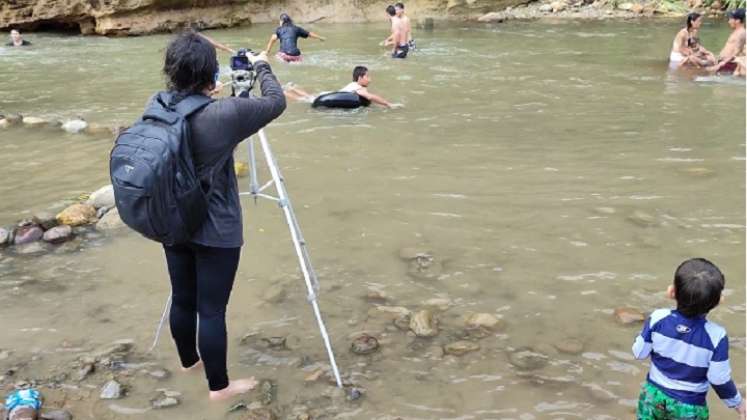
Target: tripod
299 244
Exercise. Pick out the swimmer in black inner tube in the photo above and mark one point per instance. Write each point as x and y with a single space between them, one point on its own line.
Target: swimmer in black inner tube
359 85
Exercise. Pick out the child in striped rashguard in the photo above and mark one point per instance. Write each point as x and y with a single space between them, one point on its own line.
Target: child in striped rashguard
688 353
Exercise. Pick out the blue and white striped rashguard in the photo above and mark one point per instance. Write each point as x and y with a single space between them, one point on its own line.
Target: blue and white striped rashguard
687 355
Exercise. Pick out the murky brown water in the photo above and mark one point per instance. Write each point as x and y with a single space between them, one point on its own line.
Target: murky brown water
556 170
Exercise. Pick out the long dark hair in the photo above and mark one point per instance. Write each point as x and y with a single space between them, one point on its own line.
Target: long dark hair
692 17
191 64
286 19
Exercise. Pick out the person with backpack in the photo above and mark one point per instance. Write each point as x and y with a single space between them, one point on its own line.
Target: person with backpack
181 190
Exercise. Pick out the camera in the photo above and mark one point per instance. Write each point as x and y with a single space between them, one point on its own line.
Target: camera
242 73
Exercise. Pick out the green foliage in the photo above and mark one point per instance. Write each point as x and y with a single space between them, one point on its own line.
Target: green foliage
733 4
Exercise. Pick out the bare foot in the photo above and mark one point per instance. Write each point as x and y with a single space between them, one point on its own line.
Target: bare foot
193 367
234 388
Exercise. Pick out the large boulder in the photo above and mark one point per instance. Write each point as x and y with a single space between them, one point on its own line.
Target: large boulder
77 215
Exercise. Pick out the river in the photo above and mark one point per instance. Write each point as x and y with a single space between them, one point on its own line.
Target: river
555 170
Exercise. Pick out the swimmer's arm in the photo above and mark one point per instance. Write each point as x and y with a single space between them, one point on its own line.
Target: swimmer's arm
317 36
373 98
273 38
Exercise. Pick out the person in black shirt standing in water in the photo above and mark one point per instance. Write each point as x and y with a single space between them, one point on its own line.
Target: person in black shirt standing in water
202 271
16 40
288 34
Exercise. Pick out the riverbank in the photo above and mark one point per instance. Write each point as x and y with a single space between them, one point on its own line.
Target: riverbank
126 17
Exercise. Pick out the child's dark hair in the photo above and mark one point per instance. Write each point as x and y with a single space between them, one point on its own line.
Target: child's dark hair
358 72
191 63
697 286
390 10
286 19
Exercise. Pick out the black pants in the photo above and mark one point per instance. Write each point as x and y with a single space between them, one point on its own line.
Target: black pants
201 282
401 51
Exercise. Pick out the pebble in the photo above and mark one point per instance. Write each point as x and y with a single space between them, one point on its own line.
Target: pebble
164 402
28 234
77 215
459 348
110 221
376 296
527 359
402 322
111 390
58 234
482 320
423 324
103 197
275 342
57 415
86 370
354 393
364 344
425 267
569 346
628 316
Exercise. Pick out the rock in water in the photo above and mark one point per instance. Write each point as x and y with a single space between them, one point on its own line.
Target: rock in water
77 215
30 248
425 267
241 169
493 17
627 316
164 402
57 415
642 218
103 197
569 346
4 123
58 234
483 320
460 348
546 8
4 237
528 359
110 221
111 390
423 324
558 6
74 126
34 121
45 220
364 344
28 234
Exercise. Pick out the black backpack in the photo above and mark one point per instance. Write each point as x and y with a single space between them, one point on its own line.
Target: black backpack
156 186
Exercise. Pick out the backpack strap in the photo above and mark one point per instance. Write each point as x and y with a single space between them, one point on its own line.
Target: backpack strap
191 104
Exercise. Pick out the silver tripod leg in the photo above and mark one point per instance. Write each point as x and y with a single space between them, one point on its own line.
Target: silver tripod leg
299 244
166 310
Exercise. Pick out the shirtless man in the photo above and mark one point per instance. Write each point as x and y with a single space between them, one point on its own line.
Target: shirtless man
359 85
734 45
398 39
399 9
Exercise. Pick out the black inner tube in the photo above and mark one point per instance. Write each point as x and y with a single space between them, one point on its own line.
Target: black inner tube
343 100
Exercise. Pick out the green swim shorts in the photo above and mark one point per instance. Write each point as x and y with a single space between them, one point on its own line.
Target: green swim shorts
653 404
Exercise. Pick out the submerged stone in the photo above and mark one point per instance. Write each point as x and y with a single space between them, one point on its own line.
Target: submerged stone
110 221
57 415
423 324
364 344
111 390
527 359
569 346
627 316
482 320
460 348
103 197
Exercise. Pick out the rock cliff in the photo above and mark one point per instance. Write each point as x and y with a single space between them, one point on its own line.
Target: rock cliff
133 17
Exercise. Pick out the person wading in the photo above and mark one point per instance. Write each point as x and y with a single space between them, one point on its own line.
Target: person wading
202 270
